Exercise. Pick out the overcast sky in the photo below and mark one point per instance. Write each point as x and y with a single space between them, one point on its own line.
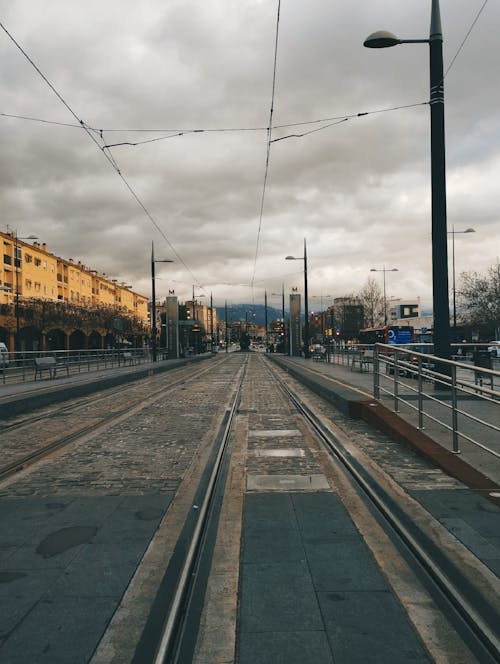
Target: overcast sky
358 191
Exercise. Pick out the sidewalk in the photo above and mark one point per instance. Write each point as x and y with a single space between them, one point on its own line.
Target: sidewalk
352 392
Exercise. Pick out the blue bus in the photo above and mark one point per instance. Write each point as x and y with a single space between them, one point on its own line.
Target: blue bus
387 334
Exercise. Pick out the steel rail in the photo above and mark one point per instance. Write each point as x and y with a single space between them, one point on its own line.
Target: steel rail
471 616
172 625
14 467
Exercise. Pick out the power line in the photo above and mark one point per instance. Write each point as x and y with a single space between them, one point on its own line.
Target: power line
187 131
89 131
268 147
465 39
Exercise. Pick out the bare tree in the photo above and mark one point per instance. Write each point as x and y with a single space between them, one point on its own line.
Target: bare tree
479 296
372 298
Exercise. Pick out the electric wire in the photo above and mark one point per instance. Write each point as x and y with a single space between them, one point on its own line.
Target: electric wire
90 132
465 39
105 149
187 131
268 147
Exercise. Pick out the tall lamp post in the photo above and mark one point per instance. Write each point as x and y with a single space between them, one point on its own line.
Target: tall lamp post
441 305
384 270
306 302
453 233
154 330
17 266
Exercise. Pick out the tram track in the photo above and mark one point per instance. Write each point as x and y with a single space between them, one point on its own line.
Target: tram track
475 611
29 426
179 601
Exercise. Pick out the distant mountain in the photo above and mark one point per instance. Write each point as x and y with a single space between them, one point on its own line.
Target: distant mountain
253 313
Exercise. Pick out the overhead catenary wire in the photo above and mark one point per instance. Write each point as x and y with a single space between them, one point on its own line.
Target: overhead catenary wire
189 130
268 146
465 39
105 149
106 154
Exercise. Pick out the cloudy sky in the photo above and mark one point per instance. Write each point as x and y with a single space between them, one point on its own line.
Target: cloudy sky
358 191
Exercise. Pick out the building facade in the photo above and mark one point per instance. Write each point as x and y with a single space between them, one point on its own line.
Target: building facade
31 277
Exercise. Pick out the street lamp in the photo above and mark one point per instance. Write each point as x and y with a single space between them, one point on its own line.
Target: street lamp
17 265
384 270
306 303
154 330
441 305
453 233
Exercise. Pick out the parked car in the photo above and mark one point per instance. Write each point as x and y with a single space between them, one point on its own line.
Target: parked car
4 356
494 349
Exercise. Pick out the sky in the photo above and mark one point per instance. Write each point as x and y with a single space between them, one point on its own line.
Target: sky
358 191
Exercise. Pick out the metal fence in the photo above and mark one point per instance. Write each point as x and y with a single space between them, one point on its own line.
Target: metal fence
20 367
461 397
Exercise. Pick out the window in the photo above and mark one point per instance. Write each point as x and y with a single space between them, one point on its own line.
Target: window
44 265
28 284
28 258
38 262
7 259
52 268
38 286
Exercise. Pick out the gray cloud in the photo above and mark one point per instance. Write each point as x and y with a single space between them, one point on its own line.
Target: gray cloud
359 191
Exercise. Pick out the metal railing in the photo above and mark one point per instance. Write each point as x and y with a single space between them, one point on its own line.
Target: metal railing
462 398
20 366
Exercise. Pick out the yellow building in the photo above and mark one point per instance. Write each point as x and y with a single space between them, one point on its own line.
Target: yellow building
29 272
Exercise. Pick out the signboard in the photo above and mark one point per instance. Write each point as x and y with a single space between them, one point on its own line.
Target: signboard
172 322
295 327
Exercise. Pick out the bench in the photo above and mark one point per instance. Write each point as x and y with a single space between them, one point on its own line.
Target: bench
127 357
363 359
318 356
49 364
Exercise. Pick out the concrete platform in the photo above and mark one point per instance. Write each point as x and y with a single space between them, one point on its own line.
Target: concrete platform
352 393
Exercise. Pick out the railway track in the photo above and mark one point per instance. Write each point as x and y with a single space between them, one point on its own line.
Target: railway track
131 398
190 439
476 613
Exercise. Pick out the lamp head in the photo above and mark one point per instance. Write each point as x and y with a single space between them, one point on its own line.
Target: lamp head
290 258
469 230
381 39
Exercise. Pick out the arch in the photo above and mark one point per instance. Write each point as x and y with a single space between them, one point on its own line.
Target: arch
30 339
56 339
94 341
77 340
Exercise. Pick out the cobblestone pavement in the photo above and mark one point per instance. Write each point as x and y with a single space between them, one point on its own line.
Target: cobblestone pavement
23 435
74 527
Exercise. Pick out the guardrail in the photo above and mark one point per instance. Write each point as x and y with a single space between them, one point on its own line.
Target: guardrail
20 366
461 397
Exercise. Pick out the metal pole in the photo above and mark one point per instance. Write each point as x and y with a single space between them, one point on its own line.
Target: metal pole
438 176
454 290
306 306
153 304
16 339
265 310
212 322
283 316
385 301
226 333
